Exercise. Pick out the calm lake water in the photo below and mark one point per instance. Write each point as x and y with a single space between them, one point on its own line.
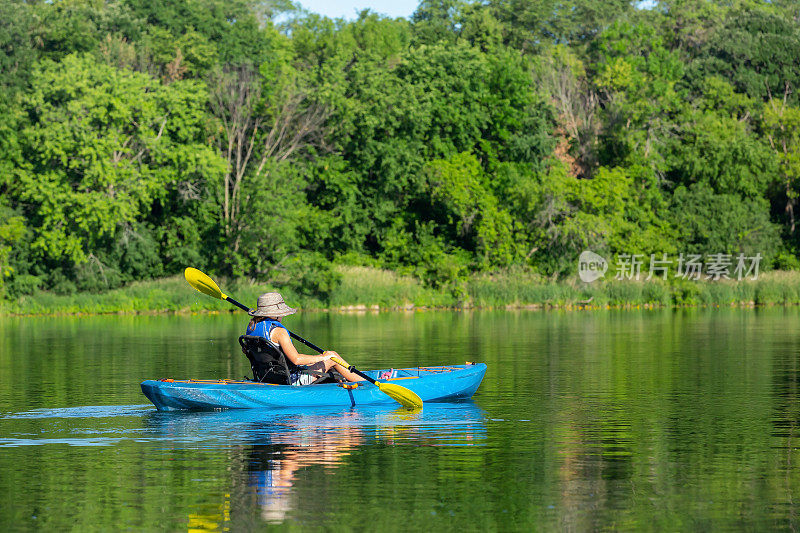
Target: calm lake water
670 420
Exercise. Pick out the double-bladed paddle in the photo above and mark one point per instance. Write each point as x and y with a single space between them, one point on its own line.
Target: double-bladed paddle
407 398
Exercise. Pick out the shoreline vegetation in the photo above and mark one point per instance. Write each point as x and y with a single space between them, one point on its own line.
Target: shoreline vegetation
363 289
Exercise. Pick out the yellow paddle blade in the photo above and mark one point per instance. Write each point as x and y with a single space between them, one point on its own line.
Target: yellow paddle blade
405 397
202 283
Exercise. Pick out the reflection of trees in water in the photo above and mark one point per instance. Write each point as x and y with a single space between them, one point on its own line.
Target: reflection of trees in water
785 420
595 459
785 386
703 440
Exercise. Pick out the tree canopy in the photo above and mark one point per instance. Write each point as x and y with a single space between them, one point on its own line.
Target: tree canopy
255 139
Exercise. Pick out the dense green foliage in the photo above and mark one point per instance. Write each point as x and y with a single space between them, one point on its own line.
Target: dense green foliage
138 137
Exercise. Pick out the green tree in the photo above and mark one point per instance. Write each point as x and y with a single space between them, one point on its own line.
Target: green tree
782 127
437 102
17 46
756 49
639 82
230 26
265 125
712 223
607 213
189 56
12 231
102 148
477 222
438 20
66 27
531 25
722 152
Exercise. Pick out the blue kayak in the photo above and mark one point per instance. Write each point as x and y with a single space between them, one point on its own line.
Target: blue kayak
431 383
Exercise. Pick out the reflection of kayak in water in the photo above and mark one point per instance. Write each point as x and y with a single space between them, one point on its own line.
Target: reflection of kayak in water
457 424
436 383
273 446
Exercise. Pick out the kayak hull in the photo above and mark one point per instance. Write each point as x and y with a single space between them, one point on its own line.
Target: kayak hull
432 384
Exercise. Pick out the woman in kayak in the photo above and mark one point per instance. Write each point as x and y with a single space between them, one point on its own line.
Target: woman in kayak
266 322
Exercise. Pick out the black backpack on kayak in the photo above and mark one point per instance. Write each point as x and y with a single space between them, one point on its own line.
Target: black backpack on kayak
269 365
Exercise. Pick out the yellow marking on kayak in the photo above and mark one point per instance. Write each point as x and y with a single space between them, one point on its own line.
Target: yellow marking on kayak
216 381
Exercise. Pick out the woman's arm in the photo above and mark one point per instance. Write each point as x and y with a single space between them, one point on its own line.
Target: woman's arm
281 336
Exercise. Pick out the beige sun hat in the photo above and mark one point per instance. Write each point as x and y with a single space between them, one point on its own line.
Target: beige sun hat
271 304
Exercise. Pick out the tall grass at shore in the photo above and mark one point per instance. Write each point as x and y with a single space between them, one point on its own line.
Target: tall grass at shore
367 287
164 295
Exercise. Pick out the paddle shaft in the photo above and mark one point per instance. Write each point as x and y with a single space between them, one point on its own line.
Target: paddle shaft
237 304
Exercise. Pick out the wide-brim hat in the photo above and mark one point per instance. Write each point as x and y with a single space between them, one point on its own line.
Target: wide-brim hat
271 304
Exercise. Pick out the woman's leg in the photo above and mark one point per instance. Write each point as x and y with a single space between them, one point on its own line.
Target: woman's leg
346 374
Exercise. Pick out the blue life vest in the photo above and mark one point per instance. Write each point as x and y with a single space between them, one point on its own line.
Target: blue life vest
264 329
